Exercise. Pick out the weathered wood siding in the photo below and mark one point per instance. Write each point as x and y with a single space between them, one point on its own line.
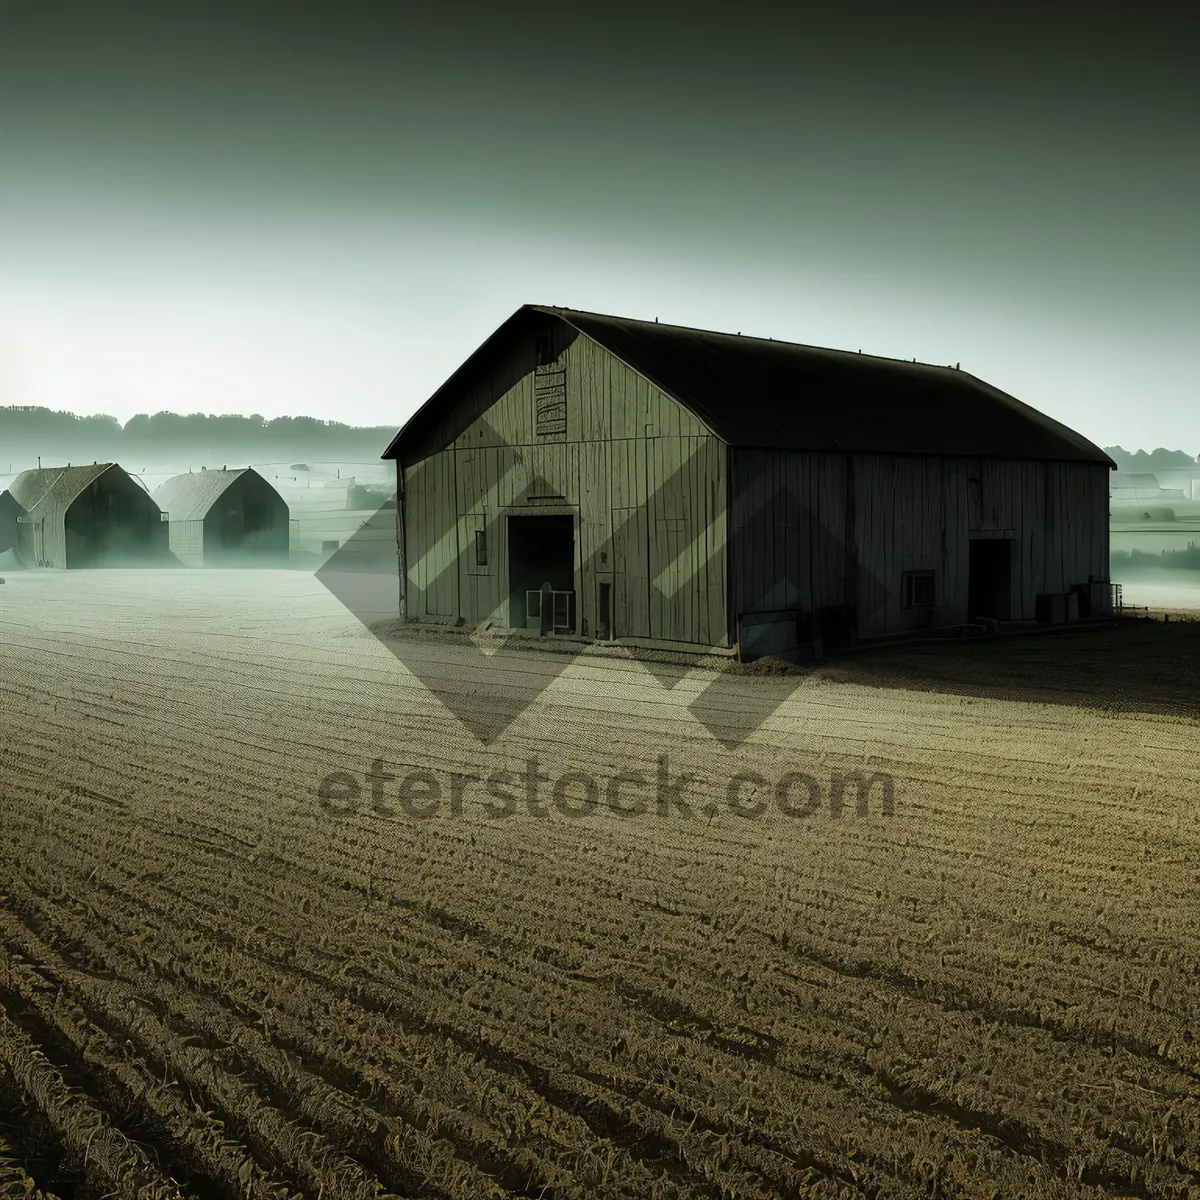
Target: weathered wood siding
643 477
809 530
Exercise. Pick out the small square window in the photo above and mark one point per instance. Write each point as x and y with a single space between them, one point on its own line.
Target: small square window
481 547
918 589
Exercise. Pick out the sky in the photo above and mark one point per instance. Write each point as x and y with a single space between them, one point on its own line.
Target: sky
323 209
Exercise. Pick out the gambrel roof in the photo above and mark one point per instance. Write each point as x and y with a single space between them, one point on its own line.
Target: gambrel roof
756 392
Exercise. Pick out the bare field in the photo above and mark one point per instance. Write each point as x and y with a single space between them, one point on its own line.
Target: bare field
212 984
1164 591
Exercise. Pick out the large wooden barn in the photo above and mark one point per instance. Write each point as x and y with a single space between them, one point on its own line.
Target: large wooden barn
226 518
622 479
93 516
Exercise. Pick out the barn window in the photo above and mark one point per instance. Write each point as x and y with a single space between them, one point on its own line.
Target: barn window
975 499
918 589
481 547
550 399
543 351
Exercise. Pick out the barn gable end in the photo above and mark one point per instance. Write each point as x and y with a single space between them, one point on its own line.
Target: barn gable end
550 423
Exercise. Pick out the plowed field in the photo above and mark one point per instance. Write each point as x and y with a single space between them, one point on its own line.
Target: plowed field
215 983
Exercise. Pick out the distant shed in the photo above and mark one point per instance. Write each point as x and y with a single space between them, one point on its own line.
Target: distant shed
93 516
225 519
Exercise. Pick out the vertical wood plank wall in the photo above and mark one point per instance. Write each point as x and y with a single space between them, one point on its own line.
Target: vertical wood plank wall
644 478
909 514
649 486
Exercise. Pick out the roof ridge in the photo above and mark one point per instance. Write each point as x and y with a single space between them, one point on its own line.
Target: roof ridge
58 474
746 337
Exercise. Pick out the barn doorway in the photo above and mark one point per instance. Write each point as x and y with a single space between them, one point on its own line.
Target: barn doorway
989 586
235 529
111 526
541 550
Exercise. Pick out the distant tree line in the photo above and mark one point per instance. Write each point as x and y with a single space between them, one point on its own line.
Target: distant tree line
1180 560
27 432
1140 460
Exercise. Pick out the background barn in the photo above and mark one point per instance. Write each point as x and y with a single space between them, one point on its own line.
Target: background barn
90 516
225 518
706 489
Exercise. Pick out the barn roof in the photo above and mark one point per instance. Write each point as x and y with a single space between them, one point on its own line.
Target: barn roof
756 392
55 487
188 497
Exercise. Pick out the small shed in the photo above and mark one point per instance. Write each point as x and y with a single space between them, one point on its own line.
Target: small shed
226 518
93 516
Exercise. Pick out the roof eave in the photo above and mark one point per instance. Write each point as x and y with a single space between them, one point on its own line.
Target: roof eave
394 448
1083 451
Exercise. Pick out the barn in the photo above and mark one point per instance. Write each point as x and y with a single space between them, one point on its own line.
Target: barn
226 518
627 480
93 516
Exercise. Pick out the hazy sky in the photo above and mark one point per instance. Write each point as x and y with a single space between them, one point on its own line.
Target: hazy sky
260 207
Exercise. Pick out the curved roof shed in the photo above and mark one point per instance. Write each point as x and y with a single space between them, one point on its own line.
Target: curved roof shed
90 516
225 518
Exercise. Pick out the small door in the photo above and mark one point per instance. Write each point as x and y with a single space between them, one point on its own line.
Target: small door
989 589
604 612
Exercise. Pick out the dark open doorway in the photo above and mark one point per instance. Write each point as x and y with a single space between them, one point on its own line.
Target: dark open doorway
541 550
989 589
246 529
604 612
114 524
